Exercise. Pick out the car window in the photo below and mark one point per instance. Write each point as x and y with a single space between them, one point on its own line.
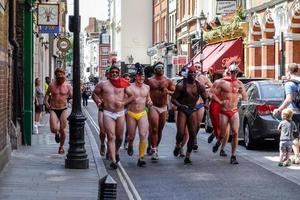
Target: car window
271 91
252 92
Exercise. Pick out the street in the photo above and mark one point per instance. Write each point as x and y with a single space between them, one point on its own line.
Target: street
209 177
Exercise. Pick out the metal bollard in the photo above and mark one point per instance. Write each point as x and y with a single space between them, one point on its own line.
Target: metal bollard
107 188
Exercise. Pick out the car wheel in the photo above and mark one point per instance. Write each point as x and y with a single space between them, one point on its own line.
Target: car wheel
249 141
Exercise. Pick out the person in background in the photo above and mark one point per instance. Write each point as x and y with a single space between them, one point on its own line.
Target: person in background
46 85
86 94
287 127
39 101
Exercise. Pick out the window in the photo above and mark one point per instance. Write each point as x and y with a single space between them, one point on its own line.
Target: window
87 69
272 91
104 51
104 62
105 38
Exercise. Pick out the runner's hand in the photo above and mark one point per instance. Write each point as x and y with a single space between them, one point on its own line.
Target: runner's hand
276 112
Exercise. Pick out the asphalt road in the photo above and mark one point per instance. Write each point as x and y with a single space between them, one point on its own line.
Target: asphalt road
209 177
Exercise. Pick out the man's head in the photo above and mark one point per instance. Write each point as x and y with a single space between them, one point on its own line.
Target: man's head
126 76
293 69
233 69
139 75
37 82
60 75
198 67
192 71
114 72
158 68
48 80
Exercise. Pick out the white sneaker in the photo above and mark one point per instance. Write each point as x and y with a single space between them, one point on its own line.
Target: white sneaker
155 156
35 129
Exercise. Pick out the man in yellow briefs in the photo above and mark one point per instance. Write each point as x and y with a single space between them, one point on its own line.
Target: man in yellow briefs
137 115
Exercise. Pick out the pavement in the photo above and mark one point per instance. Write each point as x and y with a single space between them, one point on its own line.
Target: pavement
38 172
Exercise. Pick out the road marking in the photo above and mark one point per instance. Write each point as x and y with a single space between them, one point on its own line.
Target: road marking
124 178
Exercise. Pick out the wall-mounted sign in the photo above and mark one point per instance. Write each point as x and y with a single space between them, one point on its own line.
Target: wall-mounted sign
48 14
63 44
226 7
49 29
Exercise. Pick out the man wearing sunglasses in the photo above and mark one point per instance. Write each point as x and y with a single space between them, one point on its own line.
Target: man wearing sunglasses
227 95
111 96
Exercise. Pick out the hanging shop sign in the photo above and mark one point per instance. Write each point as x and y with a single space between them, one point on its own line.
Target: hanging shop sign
226 7
49 29
63 44
48 14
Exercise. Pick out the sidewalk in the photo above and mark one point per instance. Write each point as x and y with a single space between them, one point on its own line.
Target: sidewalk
37 172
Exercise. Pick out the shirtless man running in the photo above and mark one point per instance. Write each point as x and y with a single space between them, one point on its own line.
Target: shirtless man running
137 115
111 93
60 93
160 88
227 94
185 97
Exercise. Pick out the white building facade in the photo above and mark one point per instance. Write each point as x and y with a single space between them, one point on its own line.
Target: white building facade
131 30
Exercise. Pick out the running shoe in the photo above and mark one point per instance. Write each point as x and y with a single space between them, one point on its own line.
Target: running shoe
125 145
223 153
195 147
61 150
280 164
130 150
113 165
176 151
216 147
210 138
187 161
102 150
181 154
233 160
141 162
155 156
149 151
57 138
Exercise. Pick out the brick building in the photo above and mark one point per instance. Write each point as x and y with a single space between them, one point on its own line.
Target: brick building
274 37
104 49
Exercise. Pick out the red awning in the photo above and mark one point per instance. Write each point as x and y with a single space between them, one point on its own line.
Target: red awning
216 55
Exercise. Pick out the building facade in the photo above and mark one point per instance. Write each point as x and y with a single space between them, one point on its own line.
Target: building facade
131 32
274 37
104 50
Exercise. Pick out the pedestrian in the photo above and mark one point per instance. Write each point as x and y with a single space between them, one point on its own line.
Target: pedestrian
227 94
137 115
287 128
46 85
39 102
86 93
160 88
102 133
291 88
185 98
60 92
112 94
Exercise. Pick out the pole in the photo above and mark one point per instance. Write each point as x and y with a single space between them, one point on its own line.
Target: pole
282 60
76 157
201 50
28 73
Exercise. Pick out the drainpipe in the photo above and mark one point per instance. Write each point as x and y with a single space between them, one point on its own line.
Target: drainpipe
28 72
12 40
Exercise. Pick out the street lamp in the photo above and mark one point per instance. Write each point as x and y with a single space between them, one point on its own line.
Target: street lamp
76 157
202 19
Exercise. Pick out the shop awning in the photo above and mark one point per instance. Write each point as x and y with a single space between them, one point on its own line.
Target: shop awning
215 55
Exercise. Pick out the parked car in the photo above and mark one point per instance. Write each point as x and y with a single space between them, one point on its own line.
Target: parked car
256 119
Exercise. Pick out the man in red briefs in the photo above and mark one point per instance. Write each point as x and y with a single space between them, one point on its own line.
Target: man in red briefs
227 95
111 96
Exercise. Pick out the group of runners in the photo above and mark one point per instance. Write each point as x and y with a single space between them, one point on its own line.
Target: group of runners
143 105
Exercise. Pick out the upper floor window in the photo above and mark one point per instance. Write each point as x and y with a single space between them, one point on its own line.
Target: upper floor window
105 38
104 51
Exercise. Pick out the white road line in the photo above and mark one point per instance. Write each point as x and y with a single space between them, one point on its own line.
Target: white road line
124 180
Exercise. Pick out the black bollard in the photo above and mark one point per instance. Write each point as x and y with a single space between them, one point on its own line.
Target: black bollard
107 188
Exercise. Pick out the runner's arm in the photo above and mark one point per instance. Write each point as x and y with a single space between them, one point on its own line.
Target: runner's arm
130 96
176 95
96 95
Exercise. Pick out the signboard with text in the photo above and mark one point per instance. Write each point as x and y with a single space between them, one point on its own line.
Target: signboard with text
226 7
49 29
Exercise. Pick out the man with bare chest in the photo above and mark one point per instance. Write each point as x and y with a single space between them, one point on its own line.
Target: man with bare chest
160 88
185 97
137 115
227 94
110 94
60 93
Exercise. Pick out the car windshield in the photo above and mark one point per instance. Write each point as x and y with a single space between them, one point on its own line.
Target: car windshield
272 91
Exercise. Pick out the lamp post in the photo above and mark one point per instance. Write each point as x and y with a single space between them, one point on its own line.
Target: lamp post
202 19
76 157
